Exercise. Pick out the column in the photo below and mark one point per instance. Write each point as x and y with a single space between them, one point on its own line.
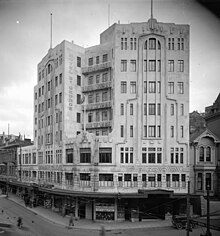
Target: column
116 209
77 208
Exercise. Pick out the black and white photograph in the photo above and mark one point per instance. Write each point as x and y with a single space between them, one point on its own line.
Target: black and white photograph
110 117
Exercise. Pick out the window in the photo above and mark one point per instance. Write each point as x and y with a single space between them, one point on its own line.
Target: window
133 87
201 154
90 98
97 116
151 155
122 109
60 97
145 109
56 81
97 97
145 65
122 131
97 79
181 109
152 87
171 131
133 66
123 65
56 99
104 96
144 155
104 115
199 181
131 109
97 60
123 87
90 80
105 77
152 109
85 155
42 90
181 131
105 155
131 43
126 44
105 58
122 43
182 43
78 117
208 181
78 61
48 86
152 65
180 66
158 109
60 78
175 180
131 131
171 66
172 109
208 154
178 44
69 155
78 99
180 88
152 131
159 155
158 65
158 87
90 117
145 131
90 61
152 44
79 80
145 86
181 155
170 87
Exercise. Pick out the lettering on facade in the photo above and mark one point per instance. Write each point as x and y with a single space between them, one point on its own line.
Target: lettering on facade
71 67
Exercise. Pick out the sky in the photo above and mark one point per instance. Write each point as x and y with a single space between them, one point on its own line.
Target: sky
25 40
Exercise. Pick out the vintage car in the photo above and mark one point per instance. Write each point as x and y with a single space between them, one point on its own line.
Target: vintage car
180 222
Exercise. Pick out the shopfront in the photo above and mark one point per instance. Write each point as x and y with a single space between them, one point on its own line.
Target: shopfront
105 209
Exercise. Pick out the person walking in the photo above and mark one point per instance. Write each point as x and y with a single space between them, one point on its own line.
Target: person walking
71 220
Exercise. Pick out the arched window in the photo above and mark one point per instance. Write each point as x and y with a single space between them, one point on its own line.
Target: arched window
208 154
200 182
152 44
49 69
201 154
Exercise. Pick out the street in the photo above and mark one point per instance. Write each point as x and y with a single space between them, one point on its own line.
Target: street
34 225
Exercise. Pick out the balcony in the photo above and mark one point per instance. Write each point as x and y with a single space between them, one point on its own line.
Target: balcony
97 87
101 105
98 67
102 124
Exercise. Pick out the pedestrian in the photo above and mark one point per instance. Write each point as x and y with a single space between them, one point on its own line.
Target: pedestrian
102 231
71 223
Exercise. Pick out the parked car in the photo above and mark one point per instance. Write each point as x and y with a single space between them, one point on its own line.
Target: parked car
180 222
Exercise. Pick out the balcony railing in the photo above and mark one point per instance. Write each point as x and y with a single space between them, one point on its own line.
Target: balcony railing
98 67
100 105
100 86
102 124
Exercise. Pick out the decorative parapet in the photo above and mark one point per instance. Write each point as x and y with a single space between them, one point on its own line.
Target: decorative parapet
97 86
98 67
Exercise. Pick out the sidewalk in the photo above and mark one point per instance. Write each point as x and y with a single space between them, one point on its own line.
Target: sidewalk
89 224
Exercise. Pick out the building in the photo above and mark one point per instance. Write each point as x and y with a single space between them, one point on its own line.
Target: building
111 125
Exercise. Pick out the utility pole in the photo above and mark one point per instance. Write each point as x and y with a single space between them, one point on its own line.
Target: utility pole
188 210
208 233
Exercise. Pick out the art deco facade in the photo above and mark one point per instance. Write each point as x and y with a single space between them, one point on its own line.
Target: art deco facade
111 121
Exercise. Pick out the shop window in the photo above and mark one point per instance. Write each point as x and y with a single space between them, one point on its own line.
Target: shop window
152 180
175 180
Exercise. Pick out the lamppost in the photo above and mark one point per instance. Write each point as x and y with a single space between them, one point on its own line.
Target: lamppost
208 233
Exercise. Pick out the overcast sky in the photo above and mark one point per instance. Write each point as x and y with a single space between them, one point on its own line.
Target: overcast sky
25 40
